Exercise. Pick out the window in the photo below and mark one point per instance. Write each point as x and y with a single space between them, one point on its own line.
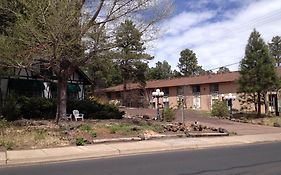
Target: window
29 88
108 94
196 89
214 88
118 94
166 91
180 90
72 90
141 92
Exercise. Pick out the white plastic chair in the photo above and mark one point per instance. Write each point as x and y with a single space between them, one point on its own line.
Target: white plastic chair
77 115
67 117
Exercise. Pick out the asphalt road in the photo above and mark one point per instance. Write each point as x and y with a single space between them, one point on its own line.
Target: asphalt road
257 159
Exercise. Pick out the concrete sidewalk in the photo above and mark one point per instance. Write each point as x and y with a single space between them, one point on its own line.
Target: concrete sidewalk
127 148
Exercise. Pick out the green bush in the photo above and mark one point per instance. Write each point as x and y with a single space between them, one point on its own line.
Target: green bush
168 114
85 127
80 141
94 110
220 109
122 128
7 144
43 108
37 108
93 134
3 123
11 109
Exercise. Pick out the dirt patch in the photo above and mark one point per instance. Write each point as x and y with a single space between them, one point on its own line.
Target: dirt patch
30 134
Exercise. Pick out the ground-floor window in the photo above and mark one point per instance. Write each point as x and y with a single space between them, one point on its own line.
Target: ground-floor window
72 90
28 88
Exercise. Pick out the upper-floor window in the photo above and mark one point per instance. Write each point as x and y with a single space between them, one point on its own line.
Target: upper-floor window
196 89
214 88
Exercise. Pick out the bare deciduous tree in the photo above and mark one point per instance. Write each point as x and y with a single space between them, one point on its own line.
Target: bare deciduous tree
66 33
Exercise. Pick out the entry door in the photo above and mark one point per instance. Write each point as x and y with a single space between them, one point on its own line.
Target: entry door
196 102
273 103
214 98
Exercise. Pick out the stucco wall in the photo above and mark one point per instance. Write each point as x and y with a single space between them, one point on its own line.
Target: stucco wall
205 96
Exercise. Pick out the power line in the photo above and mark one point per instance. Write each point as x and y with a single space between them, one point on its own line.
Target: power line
227 65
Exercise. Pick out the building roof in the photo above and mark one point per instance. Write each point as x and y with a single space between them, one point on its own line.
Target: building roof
85 77
193 80
201 79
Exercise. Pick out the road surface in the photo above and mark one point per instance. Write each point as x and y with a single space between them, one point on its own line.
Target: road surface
259 159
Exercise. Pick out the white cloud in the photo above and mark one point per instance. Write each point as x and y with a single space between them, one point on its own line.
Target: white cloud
185 21
221 42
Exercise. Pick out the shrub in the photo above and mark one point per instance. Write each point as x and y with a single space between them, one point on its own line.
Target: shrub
93 134
123 128
3 123
37 107
85 127
220 109
39 135
11 110
94 110
113 129
8 145
80 141
169 114
43 108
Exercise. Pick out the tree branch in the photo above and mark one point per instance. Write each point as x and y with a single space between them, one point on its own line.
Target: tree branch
92 20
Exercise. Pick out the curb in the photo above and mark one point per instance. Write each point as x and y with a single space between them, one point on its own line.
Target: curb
103 148
160 136
207 134
3 158
129 148
116 140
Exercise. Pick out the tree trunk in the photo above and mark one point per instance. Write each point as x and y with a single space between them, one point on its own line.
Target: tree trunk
124 96
266 105
1 99
255 102
147 100
259 104
62 98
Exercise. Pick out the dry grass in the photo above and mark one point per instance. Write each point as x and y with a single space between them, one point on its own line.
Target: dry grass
45 134
271 121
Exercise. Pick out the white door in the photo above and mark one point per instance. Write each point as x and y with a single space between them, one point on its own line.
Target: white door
196 102
214 98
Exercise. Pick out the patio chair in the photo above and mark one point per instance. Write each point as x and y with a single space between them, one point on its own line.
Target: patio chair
67 117
77 115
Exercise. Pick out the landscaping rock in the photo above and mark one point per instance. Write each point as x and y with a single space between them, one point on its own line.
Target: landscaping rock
146 117
222 130
136 121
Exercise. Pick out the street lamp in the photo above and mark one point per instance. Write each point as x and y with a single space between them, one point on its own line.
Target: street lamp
157 94
229 99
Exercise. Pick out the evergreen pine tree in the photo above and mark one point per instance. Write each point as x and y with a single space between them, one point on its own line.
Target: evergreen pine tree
130 51
188 64
257 71
275 49
162 70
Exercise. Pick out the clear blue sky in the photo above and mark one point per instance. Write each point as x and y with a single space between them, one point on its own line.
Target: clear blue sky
216 30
